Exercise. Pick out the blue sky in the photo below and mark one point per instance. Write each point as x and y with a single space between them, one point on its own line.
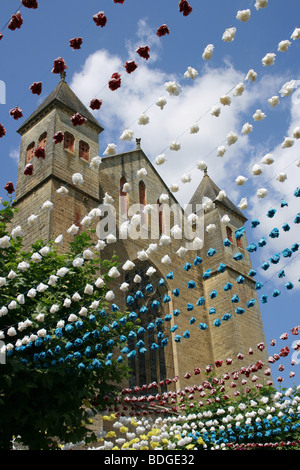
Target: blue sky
27 55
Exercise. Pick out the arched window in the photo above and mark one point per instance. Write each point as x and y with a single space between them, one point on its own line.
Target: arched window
68 142
160 218
123 198
43 140
142 200
239 242
229 234
84 150
30 152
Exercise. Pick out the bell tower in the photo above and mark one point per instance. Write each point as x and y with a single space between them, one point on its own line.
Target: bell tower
46 164
231 303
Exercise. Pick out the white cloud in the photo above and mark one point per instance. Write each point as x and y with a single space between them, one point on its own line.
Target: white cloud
14 155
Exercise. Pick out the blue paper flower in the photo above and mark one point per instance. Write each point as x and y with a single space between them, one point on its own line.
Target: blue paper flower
255 223
221 268
271 213
200 301
197 261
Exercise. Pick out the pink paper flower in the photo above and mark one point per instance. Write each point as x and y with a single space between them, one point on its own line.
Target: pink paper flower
162 30
59 65
39 152
2 131
16 113
130 66
36 88
16 21
9 187
115 81
30 3
184 7
78 120
58 137
100 19
95 103
75 43
144 52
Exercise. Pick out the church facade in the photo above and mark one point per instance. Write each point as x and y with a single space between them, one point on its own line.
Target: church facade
186 297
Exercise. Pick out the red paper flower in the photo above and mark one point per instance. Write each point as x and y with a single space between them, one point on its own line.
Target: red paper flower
144 52
59 65
78 120
218 363
9 187
100 19
16 113
39 152
28 170
16 21
130 66
95 103
36 88
162 30
1 36
2 131
58 137
119 1
184 7
30 3
115 81
76 43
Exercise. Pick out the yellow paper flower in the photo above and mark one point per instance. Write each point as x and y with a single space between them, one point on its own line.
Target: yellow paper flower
165 441
144 448
154 444
133 441
111 434
125 445
200 441
143 437
115 448
190 446
123 429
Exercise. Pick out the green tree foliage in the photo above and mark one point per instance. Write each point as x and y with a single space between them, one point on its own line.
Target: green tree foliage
59 364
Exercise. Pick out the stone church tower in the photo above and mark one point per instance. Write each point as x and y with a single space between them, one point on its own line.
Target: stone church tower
222 284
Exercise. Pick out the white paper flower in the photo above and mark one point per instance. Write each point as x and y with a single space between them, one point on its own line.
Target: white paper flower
174 188
32 219
259 115
127 135
42 333
261 4
165 240
137 279
54 308
11 331
288 88
215 111
284 45
256 170
111 239
174 145
87 254
143 120
160 159
287 143
150 271
166 260
113 272
95 162
268 59
36 258
23 266
231 138
141 172
107 200
251 75
59 240
239 89
243 15
191 73
2 281
296 34
128 265
52 280
163 198
40 317
89 289
221 150
229 34
296 133
152 248
44 251
142 255
62 191
99 282
161 102
194 128
210 228
173 88
247 128
96 212
273 101
281 177
100 245
48 206
243 204
221 195
62 272
225 219
73 229
186 178
110 149
176 232
208 52
109 295
181 252
83 312
11 274
12 305
124 287
77 178
225 100
261 193
201 165
240 180
17 232
267 159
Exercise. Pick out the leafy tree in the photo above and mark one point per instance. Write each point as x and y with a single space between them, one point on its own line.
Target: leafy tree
61 357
